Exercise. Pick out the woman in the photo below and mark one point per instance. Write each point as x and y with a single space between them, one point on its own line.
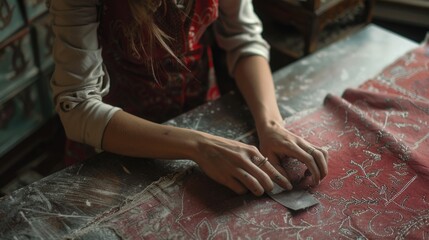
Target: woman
124 67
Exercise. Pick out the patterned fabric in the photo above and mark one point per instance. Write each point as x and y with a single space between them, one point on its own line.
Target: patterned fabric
377 136
175 88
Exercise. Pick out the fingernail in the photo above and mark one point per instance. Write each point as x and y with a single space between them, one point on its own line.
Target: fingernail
315 182
258 192
284 182
287 184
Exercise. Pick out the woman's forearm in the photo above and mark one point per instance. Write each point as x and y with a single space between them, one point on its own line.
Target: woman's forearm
254 79
226 161
132 136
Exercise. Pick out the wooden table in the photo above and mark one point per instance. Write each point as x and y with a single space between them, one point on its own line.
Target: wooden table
64 203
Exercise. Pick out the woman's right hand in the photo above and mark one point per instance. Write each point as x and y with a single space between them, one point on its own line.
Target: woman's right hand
237 165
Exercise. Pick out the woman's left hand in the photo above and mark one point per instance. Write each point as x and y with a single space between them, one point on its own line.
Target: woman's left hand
276 143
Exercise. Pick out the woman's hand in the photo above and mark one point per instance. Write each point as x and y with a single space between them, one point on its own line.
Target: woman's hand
238 166
276 143
254 79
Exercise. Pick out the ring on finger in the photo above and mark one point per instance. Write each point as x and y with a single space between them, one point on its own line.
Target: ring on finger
262 162
310 151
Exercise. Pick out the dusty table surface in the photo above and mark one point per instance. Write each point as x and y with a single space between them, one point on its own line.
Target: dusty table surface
64 203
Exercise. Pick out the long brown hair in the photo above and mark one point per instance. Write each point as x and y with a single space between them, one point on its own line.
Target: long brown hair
143 13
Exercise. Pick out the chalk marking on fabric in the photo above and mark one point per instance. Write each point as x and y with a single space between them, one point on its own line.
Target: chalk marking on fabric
417 144
401 191
197 124
105 192
288 109
30 223
78 171
44 199
132 202
55 214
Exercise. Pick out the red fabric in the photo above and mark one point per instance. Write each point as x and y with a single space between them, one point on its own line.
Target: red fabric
377 187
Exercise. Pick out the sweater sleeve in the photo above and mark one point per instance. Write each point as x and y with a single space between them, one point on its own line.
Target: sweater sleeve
238 31
79 80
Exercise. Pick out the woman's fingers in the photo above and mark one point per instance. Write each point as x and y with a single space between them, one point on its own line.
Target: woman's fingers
315 159
306 158
321 159
250 182
325 154
277 175
264 172
258 175
278 141
236 186
242 167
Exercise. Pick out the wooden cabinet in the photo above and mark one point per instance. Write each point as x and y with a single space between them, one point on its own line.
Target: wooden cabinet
410 12
27 120
300 27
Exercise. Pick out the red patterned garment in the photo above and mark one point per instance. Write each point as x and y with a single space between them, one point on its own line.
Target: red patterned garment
175 89
378 139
